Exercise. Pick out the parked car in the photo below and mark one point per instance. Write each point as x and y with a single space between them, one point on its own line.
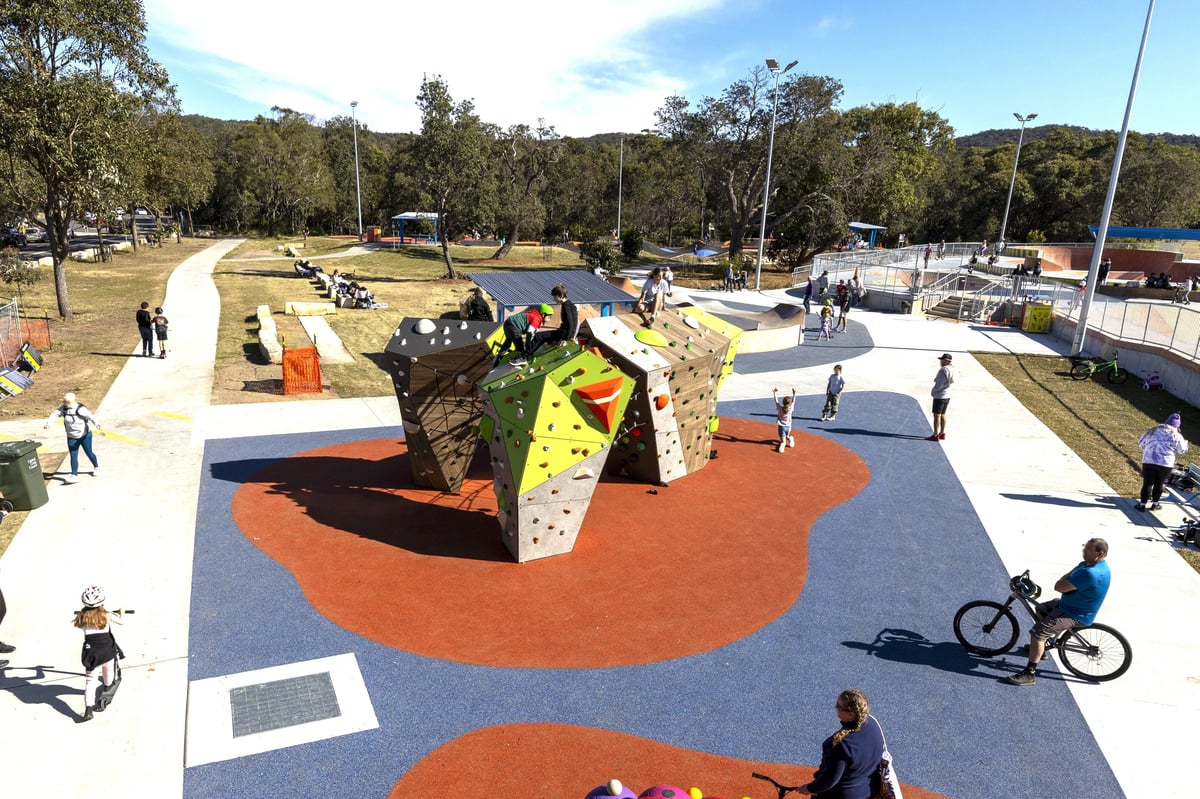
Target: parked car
35 234
13 238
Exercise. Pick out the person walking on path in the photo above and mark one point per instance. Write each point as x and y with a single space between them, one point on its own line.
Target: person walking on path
1160 445
100 650
850 757
1083 590
78 421
145 325
844 301
833 394
942 382
928 252
160 331
783 417
808 296
4 648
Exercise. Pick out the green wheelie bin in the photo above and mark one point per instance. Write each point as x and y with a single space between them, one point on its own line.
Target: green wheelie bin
21 479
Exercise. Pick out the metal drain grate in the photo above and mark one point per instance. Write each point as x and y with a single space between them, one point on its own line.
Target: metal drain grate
283 703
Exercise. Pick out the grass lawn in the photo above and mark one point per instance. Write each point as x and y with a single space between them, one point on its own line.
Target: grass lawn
1101 422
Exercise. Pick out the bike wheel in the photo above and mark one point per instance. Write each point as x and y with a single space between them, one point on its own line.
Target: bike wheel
1118 375
985 627
1096 652
1082 371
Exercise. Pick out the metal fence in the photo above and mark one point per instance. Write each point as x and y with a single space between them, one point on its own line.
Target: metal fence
1169 326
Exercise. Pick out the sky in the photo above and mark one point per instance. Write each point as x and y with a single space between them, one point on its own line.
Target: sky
605 66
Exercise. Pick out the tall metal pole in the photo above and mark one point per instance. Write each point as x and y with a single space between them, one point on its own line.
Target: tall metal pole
1013 182
357 183
1102 233
772 65
620 186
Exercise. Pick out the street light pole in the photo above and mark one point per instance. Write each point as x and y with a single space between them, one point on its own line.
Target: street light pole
772 65
357 183
1013 182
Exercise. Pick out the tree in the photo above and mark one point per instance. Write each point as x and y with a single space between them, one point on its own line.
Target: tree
523 157
283 171
73 75
728 137
451 164
180 171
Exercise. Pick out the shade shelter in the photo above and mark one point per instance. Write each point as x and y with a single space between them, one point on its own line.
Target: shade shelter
871 231
410 216
517 290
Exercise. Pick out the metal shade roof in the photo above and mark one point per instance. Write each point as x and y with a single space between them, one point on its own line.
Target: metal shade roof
515 289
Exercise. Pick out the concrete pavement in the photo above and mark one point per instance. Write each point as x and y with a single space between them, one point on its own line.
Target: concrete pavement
131 529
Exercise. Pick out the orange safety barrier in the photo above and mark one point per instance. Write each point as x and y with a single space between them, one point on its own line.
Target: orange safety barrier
301 371
37 332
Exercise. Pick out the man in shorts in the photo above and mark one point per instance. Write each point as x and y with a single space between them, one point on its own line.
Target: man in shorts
1083 590
942 382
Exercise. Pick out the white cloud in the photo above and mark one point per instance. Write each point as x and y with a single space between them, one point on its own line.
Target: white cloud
583 67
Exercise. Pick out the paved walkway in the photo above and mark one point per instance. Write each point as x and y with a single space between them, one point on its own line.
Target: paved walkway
131 529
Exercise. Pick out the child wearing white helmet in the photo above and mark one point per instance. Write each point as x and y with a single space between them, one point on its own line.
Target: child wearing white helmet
100 649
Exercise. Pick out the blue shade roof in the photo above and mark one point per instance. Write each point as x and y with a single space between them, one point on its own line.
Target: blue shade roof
514 289
1160 233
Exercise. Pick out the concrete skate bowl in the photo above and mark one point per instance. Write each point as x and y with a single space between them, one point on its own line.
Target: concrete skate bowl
767 329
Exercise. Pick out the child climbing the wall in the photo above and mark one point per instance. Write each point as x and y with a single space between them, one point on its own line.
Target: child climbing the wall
783 418
833 394
519 331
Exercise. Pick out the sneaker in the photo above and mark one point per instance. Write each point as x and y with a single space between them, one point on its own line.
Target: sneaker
95 471
1140 506
6 648
88 715
71 478
782 446
933 437
3 663
824 417
1156 506
791 441
519 362
1021 678
941 436
832 418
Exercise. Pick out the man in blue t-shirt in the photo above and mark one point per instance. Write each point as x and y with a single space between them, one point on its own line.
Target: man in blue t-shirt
1083 590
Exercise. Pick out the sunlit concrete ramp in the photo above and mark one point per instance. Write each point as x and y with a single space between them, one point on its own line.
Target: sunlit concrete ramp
767 330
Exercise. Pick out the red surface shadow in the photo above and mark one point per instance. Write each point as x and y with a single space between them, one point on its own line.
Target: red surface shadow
653 576
566 762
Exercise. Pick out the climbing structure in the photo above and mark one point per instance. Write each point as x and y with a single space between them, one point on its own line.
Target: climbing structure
549 426
677 363
435 366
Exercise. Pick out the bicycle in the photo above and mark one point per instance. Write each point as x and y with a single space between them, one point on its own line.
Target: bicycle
783 790
1083 368
1094 652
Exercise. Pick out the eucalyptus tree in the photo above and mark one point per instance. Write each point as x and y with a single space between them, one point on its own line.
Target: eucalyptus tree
74 74
452 167
728 137
282 170
523 157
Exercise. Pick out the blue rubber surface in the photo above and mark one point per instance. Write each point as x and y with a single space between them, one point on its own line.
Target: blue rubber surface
888 570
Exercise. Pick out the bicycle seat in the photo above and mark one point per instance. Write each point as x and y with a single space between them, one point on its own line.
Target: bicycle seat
1025 587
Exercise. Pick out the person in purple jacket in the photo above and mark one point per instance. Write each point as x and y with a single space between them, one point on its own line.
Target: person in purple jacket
850 757
1160 445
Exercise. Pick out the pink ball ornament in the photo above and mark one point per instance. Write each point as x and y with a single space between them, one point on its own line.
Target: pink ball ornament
664 792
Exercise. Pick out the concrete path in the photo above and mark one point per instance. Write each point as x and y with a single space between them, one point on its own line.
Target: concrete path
131 529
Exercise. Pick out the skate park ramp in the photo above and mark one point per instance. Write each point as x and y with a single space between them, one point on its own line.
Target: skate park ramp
770 329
